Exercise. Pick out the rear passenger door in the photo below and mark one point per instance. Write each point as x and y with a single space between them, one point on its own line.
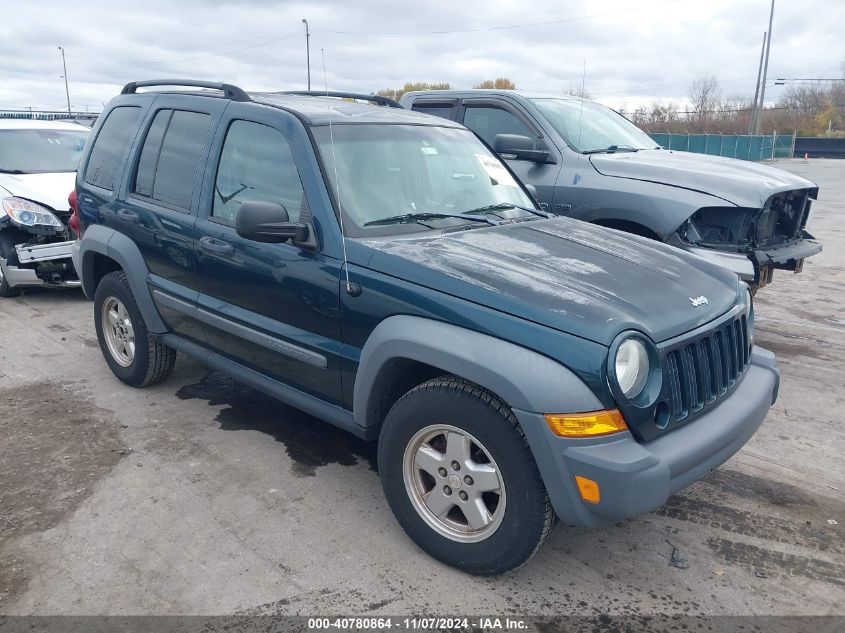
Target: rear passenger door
160 204
489 117
270 307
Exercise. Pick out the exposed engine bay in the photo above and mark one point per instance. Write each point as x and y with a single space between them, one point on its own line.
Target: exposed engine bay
780 222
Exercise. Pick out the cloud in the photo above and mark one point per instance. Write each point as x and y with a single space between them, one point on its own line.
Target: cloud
634 50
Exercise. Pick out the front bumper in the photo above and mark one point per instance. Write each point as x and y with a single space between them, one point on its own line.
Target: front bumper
788 257
30 259
638 477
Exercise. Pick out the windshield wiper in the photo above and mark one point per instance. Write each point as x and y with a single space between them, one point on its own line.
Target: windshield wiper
407 218
507 205
612 148
12 171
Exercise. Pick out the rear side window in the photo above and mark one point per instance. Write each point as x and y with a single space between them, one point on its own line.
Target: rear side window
170 156
107 154
445 110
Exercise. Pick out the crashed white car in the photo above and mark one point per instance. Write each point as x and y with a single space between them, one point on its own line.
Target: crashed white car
38 161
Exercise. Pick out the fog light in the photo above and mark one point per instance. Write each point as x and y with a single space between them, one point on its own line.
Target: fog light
589 489
590 424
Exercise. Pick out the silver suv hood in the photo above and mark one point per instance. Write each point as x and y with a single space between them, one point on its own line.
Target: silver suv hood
739 182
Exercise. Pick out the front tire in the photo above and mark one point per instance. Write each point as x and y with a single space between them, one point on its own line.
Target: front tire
460 478
7 247
132 353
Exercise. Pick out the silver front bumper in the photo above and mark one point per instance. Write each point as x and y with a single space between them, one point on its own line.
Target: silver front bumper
16 276
736 262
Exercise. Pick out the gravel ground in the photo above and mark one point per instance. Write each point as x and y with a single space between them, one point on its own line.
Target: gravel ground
200 496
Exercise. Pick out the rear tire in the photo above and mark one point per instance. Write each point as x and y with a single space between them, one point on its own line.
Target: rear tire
132 353
458 515
7 247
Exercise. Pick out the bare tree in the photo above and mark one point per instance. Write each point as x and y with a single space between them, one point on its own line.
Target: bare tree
705 96
577 91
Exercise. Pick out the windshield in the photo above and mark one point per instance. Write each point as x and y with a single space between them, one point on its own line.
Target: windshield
388 170
40 151
597 128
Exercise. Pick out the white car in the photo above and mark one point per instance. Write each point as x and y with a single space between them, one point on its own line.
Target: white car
38 161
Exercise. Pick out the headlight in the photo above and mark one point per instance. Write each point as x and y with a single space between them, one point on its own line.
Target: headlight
631 367
27 213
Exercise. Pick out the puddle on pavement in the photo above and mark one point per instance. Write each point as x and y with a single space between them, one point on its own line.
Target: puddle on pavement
56 445
309 442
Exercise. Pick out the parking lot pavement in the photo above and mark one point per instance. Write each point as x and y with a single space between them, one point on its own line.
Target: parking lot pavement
199 496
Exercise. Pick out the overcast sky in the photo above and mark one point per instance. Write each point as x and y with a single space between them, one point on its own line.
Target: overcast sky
634 50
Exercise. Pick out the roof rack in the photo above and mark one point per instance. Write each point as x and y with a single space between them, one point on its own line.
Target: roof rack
229 91
377 99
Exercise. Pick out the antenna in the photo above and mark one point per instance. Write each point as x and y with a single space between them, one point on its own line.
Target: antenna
352 290
577 177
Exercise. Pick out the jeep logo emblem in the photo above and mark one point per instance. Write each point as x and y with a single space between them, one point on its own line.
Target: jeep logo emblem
698 301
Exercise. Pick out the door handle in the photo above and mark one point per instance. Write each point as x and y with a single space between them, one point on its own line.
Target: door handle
128 216
218 247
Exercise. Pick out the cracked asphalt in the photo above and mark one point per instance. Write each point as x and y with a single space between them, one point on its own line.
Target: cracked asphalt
201 496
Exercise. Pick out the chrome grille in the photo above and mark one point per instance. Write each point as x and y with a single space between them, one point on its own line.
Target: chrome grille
701 371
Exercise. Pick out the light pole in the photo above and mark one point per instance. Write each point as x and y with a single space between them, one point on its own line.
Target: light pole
64 66
307 51
759 121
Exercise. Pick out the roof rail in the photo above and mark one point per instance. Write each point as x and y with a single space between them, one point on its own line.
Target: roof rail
377 99
229 91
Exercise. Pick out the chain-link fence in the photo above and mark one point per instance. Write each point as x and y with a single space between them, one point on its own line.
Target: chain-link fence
742 146
48 116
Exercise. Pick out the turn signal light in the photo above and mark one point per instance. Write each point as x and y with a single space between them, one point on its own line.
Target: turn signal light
590 424
589 489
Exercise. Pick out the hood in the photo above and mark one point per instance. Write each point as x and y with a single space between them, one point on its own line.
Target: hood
740 182
48 189
569 275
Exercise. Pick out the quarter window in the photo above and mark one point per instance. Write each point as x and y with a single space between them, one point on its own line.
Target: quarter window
256 164
111 143
487 122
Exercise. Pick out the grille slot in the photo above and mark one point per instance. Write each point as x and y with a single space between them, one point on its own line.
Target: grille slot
703 370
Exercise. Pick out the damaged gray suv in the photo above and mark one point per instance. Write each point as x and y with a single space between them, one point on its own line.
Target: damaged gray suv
588 162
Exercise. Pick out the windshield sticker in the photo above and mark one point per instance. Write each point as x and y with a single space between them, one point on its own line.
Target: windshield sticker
497 172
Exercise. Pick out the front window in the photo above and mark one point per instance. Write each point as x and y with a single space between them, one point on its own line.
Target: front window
40 151
388 170
590 127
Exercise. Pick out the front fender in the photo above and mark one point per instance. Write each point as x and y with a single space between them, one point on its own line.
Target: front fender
522 378
99 239
658 207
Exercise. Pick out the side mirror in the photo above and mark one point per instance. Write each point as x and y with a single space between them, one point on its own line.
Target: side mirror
519 147
268 222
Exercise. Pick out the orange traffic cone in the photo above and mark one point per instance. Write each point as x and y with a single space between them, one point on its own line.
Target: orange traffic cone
805 157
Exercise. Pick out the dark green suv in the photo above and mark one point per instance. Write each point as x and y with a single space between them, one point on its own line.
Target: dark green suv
382 270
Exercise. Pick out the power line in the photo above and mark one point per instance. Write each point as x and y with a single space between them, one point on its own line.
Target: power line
218 54
497 28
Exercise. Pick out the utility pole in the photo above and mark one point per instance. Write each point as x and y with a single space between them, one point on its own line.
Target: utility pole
64 66
759 121
753 121
307 51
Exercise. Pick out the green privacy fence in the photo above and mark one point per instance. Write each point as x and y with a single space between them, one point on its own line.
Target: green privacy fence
743 146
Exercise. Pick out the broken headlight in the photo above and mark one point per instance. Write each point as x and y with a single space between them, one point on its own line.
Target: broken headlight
24 212
718 226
